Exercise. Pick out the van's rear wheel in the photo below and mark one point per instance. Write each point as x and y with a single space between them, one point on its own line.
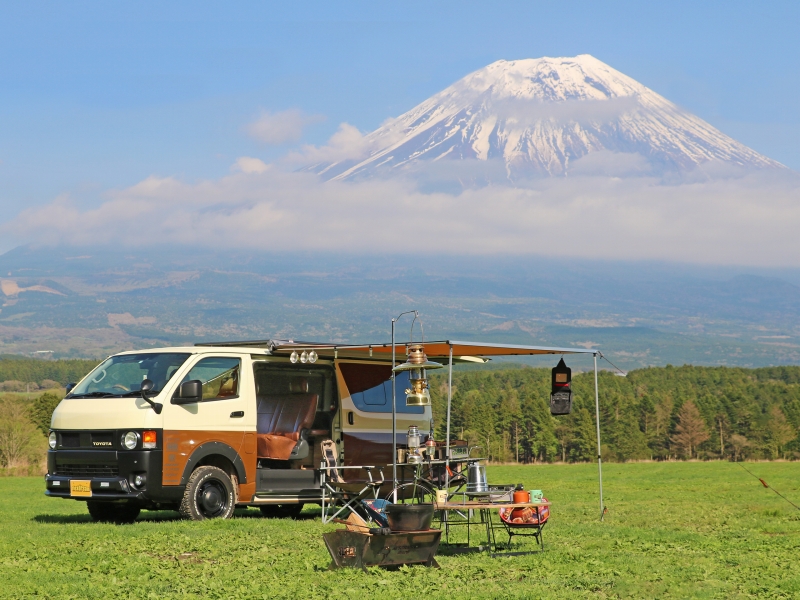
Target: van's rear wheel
109 512
208 495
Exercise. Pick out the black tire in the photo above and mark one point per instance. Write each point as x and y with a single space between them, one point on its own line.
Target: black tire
281 511
109 512
208 495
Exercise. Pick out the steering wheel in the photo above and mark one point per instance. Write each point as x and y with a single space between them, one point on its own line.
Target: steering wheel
119 386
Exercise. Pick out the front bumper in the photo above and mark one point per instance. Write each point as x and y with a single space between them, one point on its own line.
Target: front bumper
111 474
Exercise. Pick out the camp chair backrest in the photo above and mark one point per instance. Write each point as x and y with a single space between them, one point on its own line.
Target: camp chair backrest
331 458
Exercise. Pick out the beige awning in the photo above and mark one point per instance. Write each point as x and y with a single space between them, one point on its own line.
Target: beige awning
462 351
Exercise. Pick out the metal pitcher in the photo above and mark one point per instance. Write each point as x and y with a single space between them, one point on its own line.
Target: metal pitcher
476 478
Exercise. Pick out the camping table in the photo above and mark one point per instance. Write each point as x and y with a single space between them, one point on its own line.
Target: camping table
423 472
485 509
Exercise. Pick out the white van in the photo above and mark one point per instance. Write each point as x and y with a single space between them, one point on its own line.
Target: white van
204 429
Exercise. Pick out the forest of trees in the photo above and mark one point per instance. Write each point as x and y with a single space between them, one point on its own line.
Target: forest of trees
656 413
21 374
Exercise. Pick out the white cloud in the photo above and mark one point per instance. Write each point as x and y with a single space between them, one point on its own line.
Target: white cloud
750 220
246 164
281 127
348 143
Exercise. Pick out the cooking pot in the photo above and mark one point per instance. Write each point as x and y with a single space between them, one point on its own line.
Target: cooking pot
409 517
521 497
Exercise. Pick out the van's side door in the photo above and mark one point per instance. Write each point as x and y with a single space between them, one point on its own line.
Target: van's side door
225 414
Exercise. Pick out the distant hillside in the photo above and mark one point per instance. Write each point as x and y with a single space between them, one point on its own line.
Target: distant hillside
40 372
753 413
102 301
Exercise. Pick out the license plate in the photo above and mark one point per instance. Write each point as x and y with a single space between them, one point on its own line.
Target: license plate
80 487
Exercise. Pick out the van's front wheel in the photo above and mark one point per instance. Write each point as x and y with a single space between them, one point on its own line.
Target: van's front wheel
208 495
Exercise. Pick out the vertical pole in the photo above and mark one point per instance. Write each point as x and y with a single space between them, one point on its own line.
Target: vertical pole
394 423
597 422
449 401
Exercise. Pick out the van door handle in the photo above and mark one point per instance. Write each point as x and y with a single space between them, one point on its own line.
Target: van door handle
237 414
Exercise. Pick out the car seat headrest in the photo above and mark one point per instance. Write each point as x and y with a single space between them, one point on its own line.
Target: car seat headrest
298 385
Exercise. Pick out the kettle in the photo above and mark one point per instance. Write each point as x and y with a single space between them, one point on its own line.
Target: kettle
476 478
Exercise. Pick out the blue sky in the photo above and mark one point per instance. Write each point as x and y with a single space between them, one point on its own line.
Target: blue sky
98 95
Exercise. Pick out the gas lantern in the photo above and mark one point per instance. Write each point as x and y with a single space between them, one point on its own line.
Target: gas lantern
416 364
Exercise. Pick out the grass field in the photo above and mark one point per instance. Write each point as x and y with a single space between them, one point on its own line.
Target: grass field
681 530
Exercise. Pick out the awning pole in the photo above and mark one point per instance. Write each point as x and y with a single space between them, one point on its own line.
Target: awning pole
394 406
597 422
449 402
394 422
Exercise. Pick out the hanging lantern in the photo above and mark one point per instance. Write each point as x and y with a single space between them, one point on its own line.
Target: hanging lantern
561 391
416 364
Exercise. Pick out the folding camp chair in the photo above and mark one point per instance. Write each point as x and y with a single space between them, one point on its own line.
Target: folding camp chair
336 500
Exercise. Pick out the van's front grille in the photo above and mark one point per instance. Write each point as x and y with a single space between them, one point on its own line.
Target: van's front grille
87 470
88 439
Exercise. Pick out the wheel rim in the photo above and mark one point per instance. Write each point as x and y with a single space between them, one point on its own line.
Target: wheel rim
212 498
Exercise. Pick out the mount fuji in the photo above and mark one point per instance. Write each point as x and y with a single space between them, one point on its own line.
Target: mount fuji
520 119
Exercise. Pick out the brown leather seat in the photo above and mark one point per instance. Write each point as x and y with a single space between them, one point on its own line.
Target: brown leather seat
282 419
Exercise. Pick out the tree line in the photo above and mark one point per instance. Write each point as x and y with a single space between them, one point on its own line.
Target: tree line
657 413
20 374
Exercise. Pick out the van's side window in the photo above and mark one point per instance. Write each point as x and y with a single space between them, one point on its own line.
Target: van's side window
220 377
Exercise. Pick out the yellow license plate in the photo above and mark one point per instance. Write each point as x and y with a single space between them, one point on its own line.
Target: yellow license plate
80 487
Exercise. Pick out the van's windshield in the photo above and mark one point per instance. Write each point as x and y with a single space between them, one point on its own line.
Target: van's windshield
122 375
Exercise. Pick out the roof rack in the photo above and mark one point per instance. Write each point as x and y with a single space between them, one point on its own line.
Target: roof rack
268 344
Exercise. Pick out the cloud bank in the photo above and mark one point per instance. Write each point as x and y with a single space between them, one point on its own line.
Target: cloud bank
750 219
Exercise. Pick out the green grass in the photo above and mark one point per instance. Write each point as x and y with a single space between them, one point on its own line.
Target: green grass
681 530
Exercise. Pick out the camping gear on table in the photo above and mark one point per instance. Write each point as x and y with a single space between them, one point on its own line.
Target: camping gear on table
521 496
414 458
409 517
413 438
430 447
476 478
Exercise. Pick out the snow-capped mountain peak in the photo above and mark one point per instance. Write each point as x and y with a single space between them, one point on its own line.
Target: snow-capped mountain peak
540 116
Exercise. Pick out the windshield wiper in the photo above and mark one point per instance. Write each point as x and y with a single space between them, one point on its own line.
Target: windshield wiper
94 395
136 394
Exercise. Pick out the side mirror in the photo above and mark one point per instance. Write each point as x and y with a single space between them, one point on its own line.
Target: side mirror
189 392
146 386
70 387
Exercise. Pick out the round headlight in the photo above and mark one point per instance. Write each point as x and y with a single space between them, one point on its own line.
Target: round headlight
294 356
130 440
304 357
52 439
312 357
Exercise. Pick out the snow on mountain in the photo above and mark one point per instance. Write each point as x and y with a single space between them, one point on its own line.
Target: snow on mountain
538 117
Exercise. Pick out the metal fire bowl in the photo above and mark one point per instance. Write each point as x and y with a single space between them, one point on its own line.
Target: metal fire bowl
361 550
